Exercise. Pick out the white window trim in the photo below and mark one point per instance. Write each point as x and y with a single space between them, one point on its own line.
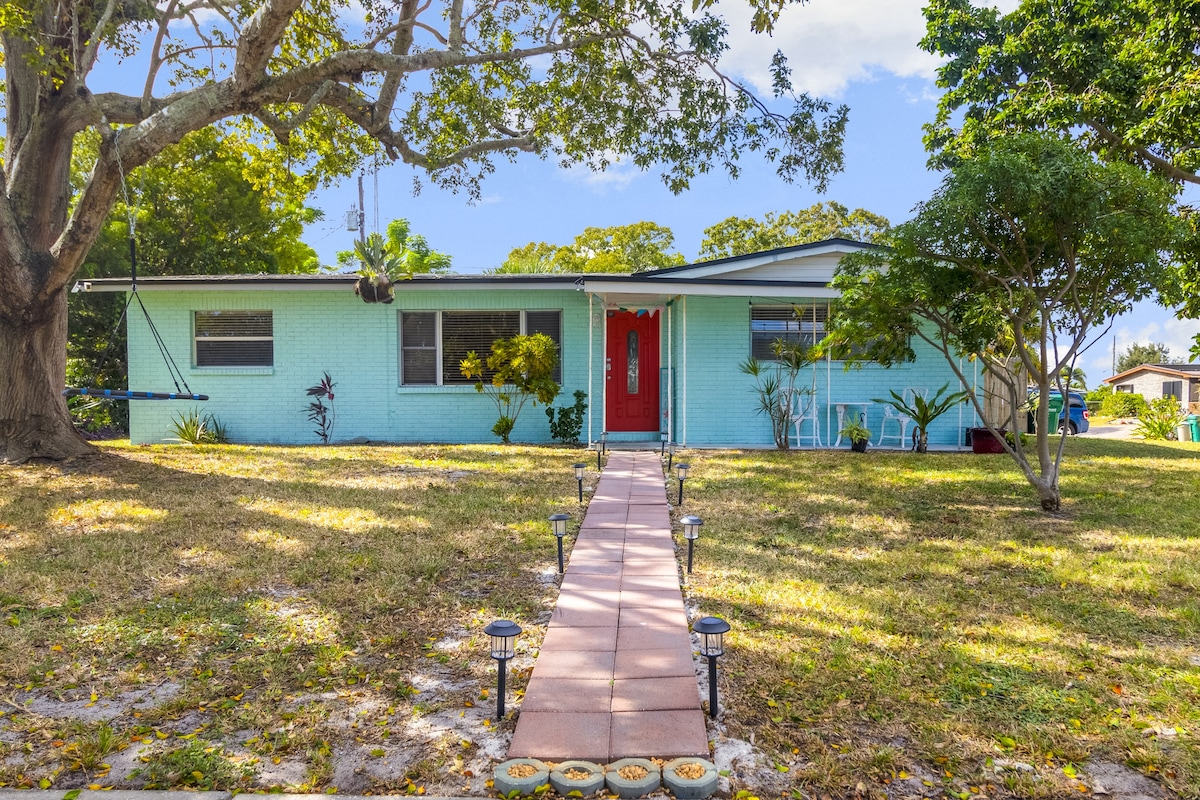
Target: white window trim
196 339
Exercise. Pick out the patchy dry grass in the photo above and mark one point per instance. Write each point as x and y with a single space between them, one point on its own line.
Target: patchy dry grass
897 614
311 618
275 606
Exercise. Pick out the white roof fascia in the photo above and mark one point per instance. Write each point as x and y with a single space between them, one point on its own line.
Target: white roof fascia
150 285
731 265
694 288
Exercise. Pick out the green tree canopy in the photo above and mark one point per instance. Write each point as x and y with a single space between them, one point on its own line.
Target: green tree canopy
637 247
737 236
444 88
1022 253
1122 73
1149 353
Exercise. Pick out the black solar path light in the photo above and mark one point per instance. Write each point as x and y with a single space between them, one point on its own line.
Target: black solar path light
670 455
681 472
712 632
691 532
579 468
558 523
504 635
662 447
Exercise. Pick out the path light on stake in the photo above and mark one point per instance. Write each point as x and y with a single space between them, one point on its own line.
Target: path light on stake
579 468
681 471
662 447
603 446
504 635
558 523
670 455
712 632
691 532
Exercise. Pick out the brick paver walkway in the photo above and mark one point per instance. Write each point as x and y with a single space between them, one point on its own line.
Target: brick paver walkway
615 675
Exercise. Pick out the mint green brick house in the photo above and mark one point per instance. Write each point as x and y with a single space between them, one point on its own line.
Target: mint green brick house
656 352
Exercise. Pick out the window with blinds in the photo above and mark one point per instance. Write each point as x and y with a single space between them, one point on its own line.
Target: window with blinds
464 331
549 323
803 325
434 343
234 339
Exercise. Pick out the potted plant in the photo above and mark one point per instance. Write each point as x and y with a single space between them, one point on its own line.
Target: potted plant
379 268
983 441
858 434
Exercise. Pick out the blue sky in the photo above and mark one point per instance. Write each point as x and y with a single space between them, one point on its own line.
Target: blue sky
860 52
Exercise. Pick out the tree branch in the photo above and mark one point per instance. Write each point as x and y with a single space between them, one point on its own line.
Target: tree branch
1162 165
260 35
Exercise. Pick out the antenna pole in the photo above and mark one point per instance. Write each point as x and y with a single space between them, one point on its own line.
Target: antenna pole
362 212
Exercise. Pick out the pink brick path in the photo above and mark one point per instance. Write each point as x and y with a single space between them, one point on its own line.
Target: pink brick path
615 675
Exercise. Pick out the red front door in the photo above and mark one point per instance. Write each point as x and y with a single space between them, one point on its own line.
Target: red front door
632 372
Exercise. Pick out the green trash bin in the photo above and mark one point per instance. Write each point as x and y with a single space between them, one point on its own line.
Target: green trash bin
1193 422
1056 407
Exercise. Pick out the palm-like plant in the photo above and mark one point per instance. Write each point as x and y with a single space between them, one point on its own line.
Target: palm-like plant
922 411
1074 379
380 265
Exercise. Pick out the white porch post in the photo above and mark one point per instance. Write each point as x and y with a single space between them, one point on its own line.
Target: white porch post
591 368
683 371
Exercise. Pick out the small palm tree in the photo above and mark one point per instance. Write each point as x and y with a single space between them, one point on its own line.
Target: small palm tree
1074 379
923 412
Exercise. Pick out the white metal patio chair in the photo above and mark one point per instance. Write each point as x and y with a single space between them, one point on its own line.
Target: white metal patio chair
902 421
804 409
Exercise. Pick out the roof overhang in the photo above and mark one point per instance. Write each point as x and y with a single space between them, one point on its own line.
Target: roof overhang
338 282
1158 369
608 285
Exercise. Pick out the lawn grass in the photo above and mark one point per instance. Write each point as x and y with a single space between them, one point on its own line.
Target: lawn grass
898 614
895 616
255 592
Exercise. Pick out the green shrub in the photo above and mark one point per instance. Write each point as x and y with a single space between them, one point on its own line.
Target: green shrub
1123 404
521 369
567 426
196 428
1160 420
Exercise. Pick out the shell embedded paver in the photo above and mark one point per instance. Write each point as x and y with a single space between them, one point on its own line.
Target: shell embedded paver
565 778
506 783
699 778
627 786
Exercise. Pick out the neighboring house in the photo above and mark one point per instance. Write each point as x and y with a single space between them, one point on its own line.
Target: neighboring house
655 352
1151 381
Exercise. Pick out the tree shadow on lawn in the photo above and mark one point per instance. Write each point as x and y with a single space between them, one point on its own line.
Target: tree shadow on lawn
303 578
944 619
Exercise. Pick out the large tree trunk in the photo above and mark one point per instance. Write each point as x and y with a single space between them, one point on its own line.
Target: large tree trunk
34 421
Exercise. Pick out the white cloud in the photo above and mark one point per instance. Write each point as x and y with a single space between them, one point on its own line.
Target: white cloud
832 43
620 173
1176 334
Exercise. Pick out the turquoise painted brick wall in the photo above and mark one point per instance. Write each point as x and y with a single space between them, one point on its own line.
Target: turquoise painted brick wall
716 403
358 344
333 331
